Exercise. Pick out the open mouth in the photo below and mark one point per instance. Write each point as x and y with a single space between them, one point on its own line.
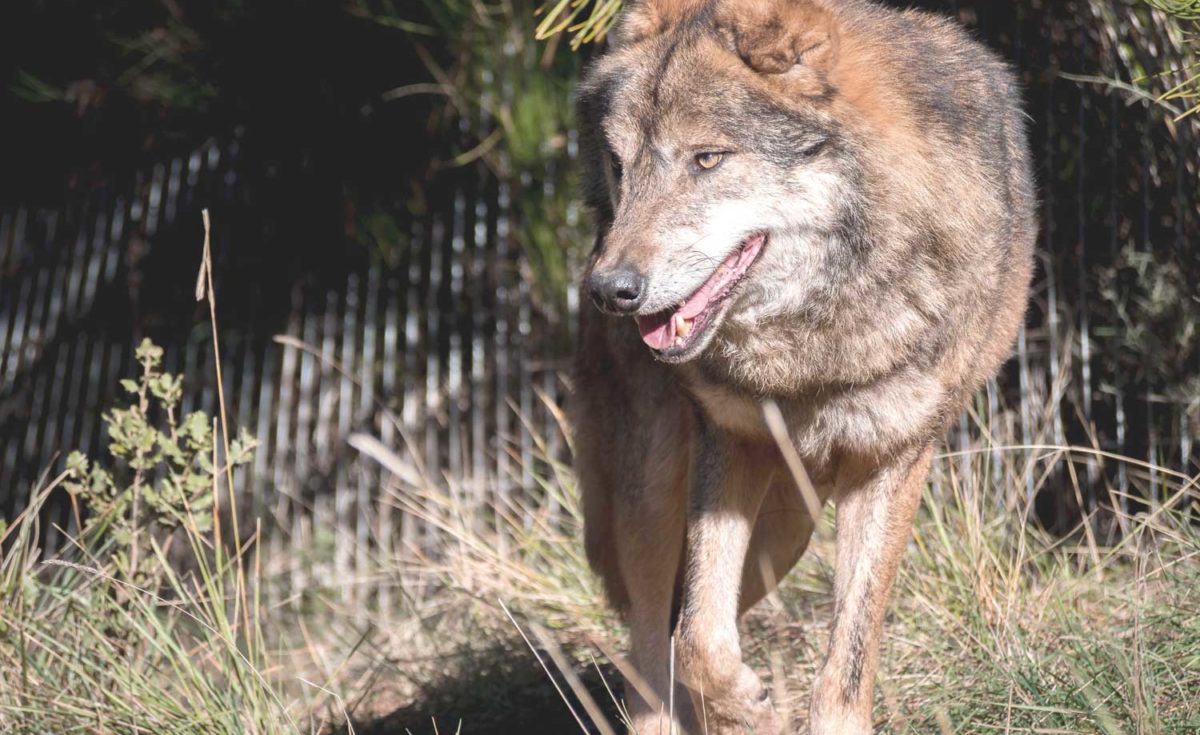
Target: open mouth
674 331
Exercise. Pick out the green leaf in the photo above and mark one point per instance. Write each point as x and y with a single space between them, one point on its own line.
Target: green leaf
77 464
149 353
242 449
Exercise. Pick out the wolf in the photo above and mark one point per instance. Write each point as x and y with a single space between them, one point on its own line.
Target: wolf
816 222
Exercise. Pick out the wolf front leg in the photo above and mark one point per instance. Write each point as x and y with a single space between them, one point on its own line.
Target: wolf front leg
729 481
875 512
650 549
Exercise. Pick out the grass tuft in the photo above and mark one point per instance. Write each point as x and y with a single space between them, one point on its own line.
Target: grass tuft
586 21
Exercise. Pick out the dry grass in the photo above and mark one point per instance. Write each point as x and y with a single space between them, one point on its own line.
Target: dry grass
996 626
500 628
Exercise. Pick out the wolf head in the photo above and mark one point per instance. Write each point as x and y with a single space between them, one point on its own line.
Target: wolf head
718 165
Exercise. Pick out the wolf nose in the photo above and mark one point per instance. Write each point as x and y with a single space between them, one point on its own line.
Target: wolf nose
618 291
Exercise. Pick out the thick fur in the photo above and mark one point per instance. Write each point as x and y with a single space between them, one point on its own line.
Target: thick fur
884 154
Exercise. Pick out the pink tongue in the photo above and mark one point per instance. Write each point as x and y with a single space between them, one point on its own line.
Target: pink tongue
658 330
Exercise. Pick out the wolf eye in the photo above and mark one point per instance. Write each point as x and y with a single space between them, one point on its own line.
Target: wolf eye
708 160
814 147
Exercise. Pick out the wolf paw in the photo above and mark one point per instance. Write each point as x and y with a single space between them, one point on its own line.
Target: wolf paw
655 723
747 710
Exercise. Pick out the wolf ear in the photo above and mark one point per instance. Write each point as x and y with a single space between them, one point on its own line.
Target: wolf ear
796 39
643 19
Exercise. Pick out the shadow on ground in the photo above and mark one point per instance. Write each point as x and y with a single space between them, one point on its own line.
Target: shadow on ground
503 691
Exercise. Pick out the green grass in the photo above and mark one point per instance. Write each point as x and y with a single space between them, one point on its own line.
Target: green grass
1182 9
85 647
1183 84
587 21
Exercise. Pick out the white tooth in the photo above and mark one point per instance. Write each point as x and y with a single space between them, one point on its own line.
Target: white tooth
683 327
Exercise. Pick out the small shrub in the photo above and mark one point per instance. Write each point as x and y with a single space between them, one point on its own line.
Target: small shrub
168 473
108 635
